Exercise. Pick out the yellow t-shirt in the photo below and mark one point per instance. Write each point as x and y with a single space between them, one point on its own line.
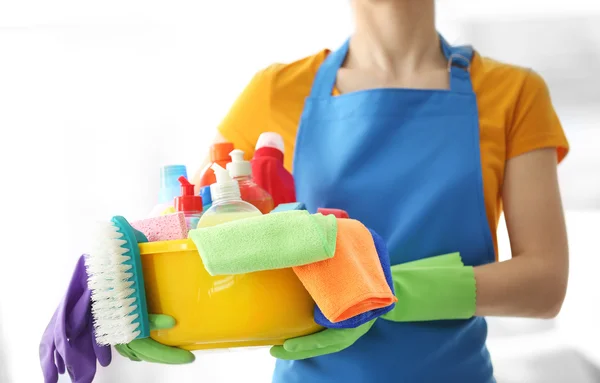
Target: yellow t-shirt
515 116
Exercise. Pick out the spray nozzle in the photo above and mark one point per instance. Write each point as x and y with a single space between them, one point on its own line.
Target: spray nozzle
187 188
187 201
237 155
221 174
238 167
225 187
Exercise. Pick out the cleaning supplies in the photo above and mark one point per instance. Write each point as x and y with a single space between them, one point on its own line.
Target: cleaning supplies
268 170
367 316
189 203
352 282
219 154
241 171
268 242
116 282
227 201
215 312
163 228
169 188
206 197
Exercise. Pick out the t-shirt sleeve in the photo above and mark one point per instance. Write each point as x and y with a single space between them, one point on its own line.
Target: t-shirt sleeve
249 114
535 124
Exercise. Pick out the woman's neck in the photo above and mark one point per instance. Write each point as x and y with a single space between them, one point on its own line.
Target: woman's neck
394 36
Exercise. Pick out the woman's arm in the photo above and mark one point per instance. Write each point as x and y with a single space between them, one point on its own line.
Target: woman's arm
533 283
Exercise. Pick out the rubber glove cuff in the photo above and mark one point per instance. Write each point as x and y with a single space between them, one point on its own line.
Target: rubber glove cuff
435 288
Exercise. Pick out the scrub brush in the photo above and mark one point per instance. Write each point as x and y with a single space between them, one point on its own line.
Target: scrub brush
116 280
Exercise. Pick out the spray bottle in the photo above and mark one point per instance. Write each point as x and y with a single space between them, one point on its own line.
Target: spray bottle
227 203
241 171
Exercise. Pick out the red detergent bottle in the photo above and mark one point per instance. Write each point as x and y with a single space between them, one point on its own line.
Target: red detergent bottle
219 154
241 171
268 170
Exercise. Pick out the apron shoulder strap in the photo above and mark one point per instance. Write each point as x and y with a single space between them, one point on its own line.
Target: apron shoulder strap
459 66
327 74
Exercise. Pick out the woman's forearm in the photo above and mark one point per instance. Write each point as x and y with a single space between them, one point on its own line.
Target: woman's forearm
533 283
525 286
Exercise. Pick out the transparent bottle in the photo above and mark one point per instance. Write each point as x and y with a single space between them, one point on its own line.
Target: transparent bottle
227 203
241 171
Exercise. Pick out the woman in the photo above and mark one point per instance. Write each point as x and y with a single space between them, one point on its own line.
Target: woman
425 143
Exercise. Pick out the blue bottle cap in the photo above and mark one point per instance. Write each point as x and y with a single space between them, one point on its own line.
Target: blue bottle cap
169 182
206 196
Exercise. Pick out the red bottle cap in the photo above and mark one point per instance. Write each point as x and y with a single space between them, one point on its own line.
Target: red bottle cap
220 151
187 202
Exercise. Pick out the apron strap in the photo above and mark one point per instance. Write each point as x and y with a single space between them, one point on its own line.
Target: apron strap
459 65
327 74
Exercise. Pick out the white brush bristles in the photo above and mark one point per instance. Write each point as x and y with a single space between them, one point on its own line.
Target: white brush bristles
109 279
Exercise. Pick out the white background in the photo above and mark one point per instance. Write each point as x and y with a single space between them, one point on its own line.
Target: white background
95 96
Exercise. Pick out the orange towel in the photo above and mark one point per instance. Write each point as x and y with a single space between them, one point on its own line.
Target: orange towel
352 282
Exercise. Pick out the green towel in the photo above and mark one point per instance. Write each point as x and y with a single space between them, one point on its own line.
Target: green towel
267 242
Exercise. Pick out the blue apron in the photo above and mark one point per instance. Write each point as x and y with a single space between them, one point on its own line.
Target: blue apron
406 163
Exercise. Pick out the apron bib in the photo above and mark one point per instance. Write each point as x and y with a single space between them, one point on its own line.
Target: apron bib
406 163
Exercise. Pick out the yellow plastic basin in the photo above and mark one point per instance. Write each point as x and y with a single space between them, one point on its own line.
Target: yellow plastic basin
255 309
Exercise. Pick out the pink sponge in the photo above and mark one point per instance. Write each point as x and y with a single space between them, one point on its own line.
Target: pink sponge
163 228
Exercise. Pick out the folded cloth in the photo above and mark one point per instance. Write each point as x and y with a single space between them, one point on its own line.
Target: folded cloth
368 316
267 242
352 282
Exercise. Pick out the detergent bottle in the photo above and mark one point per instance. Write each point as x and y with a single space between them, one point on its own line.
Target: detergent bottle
219 154
189 204
241 171
227 203
206 197
268 170
169 189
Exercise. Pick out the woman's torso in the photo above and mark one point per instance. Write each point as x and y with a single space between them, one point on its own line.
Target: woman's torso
280 91
274 101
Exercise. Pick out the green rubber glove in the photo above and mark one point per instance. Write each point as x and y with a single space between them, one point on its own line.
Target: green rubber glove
149 350
325 342
435 288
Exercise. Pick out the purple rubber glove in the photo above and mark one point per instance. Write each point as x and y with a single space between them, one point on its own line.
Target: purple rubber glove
69 342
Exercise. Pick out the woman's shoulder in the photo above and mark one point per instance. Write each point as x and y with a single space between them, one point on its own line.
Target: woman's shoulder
494 78
292 80
518 100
